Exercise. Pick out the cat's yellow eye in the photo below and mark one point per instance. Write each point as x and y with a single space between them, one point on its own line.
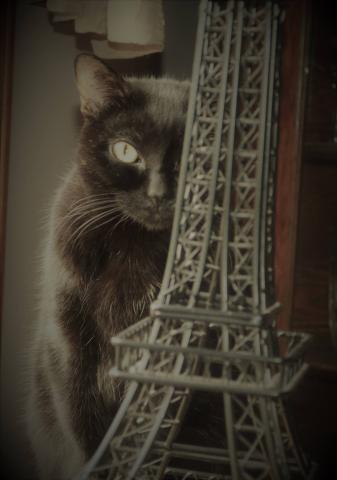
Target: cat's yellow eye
124 152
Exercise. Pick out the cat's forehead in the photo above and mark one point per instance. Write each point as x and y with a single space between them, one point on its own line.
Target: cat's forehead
164 99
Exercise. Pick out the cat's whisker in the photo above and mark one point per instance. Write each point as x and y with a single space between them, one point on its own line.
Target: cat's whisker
97 196
74 217
86 226
82 230
87 206
84 210
86 203
76 223
85 200
122 219
91 201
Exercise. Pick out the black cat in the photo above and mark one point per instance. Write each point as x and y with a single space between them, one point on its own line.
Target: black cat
104 256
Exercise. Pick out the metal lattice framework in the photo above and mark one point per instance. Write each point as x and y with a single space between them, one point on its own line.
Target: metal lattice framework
218 281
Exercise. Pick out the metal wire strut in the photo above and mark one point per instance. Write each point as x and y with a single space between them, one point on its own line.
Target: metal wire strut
218 281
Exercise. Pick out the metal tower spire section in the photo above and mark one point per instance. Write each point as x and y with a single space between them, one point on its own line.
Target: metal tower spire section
212 327
217 250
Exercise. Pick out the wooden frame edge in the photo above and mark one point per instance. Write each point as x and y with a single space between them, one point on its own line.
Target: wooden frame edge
292 101
7 25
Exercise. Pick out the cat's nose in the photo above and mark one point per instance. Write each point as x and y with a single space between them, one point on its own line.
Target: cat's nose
156 187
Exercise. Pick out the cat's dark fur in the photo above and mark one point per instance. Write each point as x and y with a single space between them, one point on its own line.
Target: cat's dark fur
104 257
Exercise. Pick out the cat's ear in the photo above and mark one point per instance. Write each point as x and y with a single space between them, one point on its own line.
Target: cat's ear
97 84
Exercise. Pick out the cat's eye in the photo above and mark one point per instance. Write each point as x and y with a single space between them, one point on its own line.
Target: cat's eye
124 152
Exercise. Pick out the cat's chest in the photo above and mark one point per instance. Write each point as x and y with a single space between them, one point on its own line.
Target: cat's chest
132 274
122 294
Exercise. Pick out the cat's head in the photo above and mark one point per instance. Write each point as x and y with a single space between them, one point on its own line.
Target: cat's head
131 140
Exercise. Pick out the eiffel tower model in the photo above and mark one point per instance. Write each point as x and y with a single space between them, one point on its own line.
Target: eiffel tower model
212 327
